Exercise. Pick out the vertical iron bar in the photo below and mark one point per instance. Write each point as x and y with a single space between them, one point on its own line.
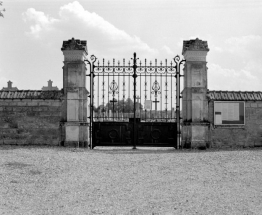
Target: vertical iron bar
98 110
145 111
124 88
103 96
150 113
140 94
113 92
118 93
155 91
166 88
108 99
91 104
134 124
129 89
161 87
178 103
171 92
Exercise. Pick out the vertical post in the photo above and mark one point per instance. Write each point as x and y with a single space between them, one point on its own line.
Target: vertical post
91 97
134 123
74 107
195 105
178 96
91 104
178 102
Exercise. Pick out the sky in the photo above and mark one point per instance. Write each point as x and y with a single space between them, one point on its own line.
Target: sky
32 32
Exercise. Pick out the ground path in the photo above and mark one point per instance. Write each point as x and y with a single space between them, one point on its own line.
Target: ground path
57 180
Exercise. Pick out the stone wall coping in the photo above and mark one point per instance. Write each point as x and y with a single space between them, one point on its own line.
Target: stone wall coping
32 94
216 95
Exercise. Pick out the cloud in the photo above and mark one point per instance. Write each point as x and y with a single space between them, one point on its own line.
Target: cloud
3 82
244 55
168 50
41 21
245 46
76 21
217 49
229 79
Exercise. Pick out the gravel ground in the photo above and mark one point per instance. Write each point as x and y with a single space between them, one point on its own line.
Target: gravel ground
56 180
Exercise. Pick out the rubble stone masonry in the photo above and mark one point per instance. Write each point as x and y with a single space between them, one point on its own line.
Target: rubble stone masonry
248 135
30 121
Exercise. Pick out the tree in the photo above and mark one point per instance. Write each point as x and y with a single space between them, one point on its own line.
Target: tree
121 106
1 14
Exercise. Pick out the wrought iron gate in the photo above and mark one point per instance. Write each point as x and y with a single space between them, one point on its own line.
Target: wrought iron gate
133 104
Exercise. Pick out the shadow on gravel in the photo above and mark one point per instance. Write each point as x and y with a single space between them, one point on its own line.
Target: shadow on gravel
155 150
31 147
123 150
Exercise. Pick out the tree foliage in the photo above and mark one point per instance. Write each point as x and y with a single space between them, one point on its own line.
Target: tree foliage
1 11
121 106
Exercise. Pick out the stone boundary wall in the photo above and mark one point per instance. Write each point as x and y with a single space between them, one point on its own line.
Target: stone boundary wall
248 135
30 121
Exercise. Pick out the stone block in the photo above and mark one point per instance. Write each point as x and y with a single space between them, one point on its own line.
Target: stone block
72 133
17 109
253 105
72 110
10 142
247 104
4 103
56 103
32 103
259 104
44 113
4 125
21 103
8 109
55 108
38 108
44 103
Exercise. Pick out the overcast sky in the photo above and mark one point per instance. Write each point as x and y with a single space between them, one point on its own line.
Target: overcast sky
32 33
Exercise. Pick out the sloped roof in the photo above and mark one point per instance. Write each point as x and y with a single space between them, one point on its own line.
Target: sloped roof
31 94
234 95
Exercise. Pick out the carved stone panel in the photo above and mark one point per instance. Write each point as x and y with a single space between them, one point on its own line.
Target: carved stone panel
195 55
72 133
72 106
75 76
197 107
74 55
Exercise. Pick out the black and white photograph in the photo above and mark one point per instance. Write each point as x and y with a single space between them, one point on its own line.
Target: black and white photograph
130 107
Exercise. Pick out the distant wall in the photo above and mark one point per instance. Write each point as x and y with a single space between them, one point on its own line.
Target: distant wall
248 135
30 121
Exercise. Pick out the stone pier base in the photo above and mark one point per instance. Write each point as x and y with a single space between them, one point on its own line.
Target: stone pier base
74 134
195 135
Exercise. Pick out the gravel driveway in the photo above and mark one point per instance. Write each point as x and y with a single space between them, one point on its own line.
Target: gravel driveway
56 180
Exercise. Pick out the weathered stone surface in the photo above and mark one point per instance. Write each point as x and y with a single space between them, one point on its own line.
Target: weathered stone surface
194 99
32 124
74 106
248 135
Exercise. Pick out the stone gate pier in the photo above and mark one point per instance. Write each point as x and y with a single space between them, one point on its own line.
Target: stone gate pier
194 100
74 126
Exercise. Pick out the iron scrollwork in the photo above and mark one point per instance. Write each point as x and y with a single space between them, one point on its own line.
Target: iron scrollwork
113 88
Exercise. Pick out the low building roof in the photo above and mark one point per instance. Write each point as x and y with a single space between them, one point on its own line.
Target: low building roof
215 95
31 94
